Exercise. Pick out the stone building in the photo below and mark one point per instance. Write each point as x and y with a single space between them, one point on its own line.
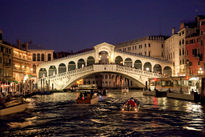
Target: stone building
171 51
22 68
152 46
195 50
39 56
6 64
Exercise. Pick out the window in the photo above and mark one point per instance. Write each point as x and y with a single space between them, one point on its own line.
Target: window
183 51
162 46
38 57
145 45
0 59
34 68
194 52
191 41
149 54
34 57
203 23
183 41
49 57
149 45
180 43
179 52
42 57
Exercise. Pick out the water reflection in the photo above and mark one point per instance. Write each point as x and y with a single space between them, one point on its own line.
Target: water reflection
58 115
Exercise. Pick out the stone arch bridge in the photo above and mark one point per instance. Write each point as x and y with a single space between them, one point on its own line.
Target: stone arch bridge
62 73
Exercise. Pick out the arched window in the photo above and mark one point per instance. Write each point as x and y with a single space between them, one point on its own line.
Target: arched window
34 68
90 61
167 71
81 63
61 68
42 57
138 64
42 72
157 69
148 67
119 60
34 57
52 71
38 57
71 66
128 62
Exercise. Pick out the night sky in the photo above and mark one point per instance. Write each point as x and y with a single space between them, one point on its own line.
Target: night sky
65 25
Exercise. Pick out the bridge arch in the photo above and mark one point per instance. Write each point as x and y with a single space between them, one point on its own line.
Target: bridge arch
71 66
128 62
138 64
140 84
61 68
81 63
90 61
119 60
157 69
148 67
52 70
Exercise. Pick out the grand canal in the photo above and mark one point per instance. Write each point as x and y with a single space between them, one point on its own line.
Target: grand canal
58 115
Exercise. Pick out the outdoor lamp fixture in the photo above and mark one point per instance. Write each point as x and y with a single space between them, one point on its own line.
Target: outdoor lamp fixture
200 71
147 69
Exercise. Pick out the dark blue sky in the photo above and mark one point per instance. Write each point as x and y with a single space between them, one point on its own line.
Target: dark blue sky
65 25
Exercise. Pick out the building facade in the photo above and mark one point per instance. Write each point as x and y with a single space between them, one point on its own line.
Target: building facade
22 68
39 56
171 52
151 46
195 50
6 63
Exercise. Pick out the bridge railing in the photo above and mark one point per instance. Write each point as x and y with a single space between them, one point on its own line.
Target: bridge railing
106 67
138 71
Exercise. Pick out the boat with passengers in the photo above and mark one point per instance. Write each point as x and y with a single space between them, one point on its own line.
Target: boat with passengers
130 106
87 97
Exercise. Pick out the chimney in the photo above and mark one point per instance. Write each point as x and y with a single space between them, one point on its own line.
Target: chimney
1 37
26 46
173 31
18 44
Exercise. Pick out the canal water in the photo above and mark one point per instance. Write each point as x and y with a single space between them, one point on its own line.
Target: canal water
58 115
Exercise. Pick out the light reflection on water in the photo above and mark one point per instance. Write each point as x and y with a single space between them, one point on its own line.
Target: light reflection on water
58 115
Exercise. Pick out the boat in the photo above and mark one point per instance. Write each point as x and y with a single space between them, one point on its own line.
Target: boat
87 98
13 106
125 90
130 106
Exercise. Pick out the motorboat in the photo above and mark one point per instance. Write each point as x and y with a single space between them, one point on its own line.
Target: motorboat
12 106
87 98
130 106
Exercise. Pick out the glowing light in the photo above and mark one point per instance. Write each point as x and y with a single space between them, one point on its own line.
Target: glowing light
25 78
147 69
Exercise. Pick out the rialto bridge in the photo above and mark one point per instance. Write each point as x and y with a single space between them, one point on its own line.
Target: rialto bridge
62 73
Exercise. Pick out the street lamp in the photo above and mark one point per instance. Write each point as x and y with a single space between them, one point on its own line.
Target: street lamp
147 69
